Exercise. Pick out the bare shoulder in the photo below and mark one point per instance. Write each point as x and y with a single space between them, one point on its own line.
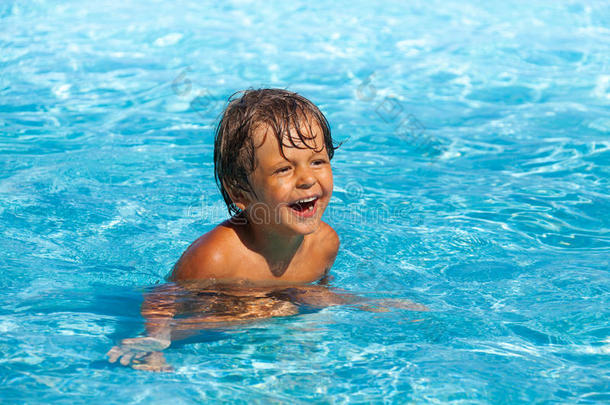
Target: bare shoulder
211 256
329 240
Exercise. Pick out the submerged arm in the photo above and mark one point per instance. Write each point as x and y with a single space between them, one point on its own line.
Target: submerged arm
159 309
321 296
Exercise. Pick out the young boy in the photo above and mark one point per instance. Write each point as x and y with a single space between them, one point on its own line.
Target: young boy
272 156
272 163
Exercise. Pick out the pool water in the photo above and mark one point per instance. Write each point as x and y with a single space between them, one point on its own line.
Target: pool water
473 178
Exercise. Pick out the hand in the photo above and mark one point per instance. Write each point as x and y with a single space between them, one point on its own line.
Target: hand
402 303
141 353
154 361
383 305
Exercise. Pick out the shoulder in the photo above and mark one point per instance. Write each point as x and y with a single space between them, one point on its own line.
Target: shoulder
328 235
329 240
211 256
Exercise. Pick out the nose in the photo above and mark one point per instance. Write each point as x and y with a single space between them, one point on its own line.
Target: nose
306 179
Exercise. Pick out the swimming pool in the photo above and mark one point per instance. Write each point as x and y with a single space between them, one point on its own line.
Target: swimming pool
473 178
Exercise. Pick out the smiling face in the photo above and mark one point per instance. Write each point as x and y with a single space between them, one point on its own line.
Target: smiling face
292 191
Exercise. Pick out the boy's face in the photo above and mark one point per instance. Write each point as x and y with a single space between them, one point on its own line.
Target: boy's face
291 193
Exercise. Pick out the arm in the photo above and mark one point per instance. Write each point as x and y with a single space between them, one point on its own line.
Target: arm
199 262
320 296
159 309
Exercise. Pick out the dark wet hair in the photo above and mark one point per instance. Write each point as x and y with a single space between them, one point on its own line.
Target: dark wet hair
279 110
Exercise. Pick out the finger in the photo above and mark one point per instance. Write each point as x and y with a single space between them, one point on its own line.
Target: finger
139 355
167 368
154 368
420 307
142 366
126 359
113 354
148 367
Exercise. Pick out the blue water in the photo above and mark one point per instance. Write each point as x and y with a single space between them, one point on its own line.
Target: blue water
473 178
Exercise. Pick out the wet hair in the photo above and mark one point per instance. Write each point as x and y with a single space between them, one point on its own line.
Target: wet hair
280 111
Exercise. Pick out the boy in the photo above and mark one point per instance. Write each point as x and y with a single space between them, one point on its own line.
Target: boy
272 155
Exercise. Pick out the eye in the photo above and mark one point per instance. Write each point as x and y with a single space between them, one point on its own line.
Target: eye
283 169
318 162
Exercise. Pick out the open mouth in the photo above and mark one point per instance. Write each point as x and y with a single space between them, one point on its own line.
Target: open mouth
305 207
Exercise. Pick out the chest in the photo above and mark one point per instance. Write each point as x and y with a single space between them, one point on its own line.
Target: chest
303 268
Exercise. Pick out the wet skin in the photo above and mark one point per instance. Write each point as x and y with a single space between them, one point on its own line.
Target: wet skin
276 240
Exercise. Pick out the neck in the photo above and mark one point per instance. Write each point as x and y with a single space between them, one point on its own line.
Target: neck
277 249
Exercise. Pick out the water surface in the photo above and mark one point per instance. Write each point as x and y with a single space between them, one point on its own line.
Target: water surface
473 178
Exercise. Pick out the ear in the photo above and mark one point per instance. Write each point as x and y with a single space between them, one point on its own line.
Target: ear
238 196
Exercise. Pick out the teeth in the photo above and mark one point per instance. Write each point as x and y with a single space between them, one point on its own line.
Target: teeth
306 200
